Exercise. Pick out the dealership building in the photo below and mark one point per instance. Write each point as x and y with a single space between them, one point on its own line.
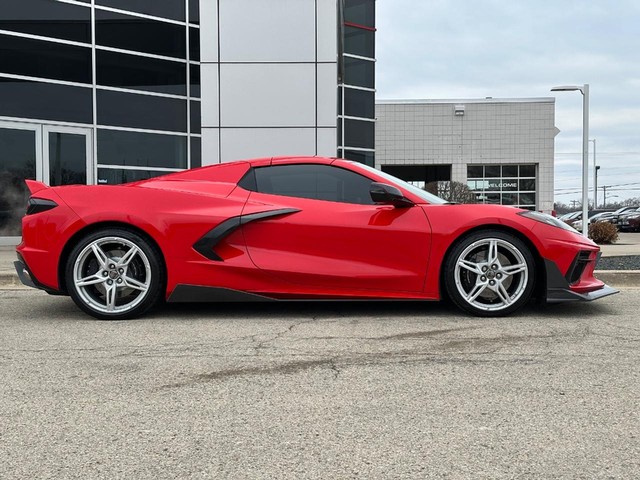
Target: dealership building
502 149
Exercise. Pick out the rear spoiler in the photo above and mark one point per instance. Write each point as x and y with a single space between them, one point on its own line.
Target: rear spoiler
35 186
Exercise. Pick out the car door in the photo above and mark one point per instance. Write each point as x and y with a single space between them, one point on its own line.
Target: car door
330 235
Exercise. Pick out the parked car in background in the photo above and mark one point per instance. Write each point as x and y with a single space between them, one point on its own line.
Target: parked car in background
594 216
614 217
570 217
629 221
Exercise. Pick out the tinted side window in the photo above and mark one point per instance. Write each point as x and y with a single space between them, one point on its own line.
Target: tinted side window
320 182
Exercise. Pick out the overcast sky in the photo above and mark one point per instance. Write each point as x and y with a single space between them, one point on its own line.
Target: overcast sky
438 49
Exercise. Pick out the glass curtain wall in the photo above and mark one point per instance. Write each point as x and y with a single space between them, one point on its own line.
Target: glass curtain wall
127 69
356 82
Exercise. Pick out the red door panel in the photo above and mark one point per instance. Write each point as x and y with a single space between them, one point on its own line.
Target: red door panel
340 245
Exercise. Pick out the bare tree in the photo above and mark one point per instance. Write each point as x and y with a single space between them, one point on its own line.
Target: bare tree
455 192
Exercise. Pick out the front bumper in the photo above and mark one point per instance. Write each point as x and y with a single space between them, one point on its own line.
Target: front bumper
560 295
575 285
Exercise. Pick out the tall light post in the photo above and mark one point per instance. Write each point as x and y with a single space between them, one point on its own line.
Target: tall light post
584 90
595 172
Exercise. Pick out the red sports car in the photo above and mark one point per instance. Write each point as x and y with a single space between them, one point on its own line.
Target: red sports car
289 229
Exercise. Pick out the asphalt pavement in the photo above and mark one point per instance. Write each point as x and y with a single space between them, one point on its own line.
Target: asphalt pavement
322 390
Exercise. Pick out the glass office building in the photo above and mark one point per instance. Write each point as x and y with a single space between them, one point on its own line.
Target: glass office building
111 91
95 92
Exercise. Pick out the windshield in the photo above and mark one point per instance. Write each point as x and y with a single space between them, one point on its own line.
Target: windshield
426 196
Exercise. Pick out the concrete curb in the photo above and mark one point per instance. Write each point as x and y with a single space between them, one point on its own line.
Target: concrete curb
613 278
619 278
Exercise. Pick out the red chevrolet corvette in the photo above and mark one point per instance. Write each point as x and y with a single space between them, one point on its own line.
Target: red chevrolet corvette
293 228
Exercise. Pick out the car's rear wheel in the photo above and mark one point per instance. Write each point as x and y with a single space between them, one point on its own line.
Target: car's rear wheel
490 273
114 274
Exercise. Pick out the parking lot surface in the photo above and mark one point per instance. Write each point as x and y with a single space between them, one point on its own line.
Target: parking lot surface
319 390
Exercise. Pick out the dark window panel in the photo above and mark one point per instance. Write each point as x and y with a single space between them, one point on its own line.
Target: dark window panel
39 58
360 73
359 134
359 103
140 73
194 44
67 159
17 163
527 199
527 170
509 199
194 74
196 152
527 184
141 149
195 115
362 12
47 18
318 182
368 158
359 41
492 171
194 11
474 171
340 133
45 101
140 34
141 111
509 171
493 198
114 176
172 9
419 173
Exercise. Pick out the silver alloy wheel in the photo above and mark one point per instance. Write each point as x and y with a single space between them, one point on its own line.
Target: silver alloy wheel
112 275
491 274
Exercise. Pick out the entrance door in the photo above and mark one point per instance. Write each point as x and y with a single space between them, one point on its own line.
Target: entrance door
67 155
51 154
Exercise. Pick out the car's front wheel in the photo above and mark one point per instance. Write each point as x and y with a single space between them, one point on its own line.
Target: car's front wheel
114 274
490 273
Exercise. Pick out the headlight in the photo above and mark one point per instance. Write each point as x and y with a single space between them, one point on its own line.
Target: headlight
548 219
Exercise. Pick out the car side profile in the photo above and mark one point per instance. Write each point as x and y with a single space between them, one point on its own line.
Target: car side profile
295 228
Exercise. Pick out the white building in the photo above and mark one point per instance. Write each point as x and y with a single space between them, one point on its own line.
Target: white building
503 149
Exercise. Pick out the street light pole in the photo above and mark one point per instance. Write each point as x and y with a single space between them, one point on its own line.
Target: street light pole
585 149
595 176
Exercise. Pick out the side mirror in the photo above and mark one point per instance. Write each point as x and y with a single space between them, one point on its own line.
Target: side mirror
384 194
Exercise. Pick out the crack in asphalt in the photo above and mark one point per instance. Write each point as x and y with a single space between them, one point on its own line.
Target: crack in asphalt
336 366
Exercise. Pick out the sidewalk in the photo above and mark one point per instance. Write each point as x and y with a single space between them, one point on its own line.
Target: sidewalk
628 244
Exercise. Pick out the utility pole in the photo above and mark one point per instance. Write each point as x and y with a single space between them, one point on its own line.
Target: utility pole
604 194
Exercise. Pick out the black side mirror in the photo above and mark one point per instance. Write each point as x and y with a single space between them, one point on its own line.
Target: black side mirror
384 194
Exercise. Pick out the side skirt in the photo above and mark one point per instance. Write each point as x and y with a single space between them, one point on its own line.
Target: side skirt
202 294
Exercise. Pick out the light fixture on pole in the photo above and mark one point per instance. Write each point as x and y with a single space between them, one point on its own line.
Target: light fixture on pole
584 90
595 183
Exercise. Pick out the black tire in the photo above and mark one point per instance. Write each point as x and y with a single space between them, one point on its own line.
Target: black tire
115 274
489 288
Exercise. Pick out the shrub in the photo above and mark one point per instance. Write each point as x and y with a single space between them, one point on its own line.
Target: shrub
603 232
